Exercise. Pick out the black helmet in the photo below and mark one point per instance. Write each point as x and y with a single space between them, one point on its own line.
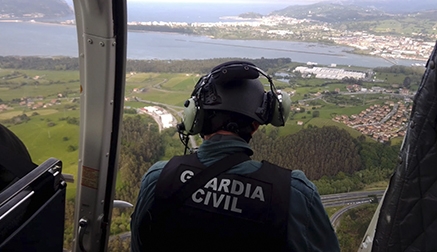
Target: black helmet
234 87
242 96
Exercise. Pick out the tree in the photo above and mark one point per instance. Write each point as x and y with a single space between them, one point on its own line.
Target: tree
407 82
362 138
316 151
71 148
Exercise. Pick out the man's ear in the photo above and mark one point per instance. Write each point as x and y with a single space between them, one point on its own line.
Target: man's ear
255 126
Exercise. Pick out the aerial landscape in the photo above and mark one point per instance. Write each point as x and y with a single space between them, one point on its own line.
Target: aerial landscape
351 68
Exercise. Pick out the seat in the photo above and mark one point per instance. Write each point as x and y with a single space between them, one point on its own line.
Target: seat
32 210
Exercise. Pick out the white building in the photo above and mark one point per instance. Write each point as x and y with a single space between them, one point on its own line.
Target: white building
161 116
166 120
329 73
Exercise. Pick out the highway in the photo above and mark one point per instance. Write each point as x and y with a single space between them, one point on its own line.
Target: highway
350 201
341 199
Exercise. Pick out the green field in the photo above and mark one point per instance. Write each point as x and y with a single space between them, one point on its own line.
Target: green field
44 142
46 134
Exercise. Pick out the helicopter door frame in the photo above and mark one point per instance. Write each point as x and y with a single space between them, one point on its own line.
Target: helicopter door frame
102 38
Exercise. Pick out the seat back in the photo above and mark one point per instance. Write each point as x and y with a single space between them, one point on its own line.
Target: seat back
32 210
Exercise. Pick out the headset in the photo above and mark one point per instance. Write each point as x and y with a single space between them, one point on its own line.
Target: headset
273 109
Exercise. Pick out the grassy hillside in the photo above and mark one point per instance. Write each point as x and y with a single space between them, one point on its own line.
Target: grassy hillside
59 141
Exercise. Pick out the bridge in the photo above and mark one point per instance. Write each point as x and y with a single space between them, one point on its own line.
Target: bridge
349 201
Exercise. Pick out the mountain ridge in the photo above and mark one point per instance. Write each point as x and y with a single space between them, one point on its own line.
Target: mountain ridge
348 11
32 9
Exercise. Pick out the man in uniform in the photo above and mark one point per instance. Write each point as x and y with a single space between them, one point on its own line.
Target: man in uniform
218 199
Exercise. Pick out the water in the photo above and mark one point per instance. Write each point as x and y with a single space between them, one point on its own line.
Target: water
194 12
31 39
47 40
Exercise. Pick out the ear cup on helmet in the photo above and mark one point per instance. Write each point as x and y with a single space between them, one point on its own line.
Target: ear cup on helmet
193 117
280 109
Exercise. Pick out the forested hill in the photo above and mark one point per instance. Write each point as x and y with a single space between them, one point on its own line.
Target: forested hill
34 9
323 151
331 12
360 11
327 152
397 6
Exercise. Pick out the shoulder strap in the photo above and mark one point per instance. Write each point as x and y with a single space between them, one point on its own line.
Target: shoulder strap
197 181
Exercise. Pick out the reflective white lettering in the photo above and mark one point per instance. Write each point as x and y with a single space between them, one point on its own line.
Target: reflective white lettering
216 202
234 205
186 175
207 197
227 199
237 187
224 184
219 193
197 199
258 193
247 193
212 184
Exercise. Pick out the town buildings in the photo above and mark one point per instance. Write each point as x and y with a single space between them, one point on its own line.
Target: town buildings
380 122
329 73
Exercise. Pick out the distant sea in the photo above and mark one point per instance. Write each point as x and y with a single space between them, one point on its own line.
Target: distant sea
47 40
195 12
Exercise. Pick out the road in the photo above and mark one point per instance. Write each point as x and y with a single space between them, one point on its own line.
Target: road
350 201
341 199
335 218
176 109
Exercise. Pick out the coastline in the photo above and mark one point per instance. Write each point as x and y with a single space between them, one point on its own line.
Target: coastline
32 21
351 49
276 46
391 60
11 21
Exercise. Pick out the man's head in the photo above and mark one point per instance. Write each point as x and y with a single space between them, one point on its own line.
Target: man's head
231 98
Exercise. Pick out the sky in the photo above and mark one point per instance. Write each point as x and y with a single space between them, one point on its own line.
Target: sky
287 2
290 2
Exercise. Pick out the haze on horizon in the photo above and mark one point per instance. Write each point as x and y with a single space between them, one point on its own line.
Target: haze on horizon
285 2
387 5
289 2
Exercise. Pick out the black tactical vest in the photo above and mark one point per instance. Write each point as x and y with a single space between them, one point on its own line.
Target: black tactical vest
231 212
